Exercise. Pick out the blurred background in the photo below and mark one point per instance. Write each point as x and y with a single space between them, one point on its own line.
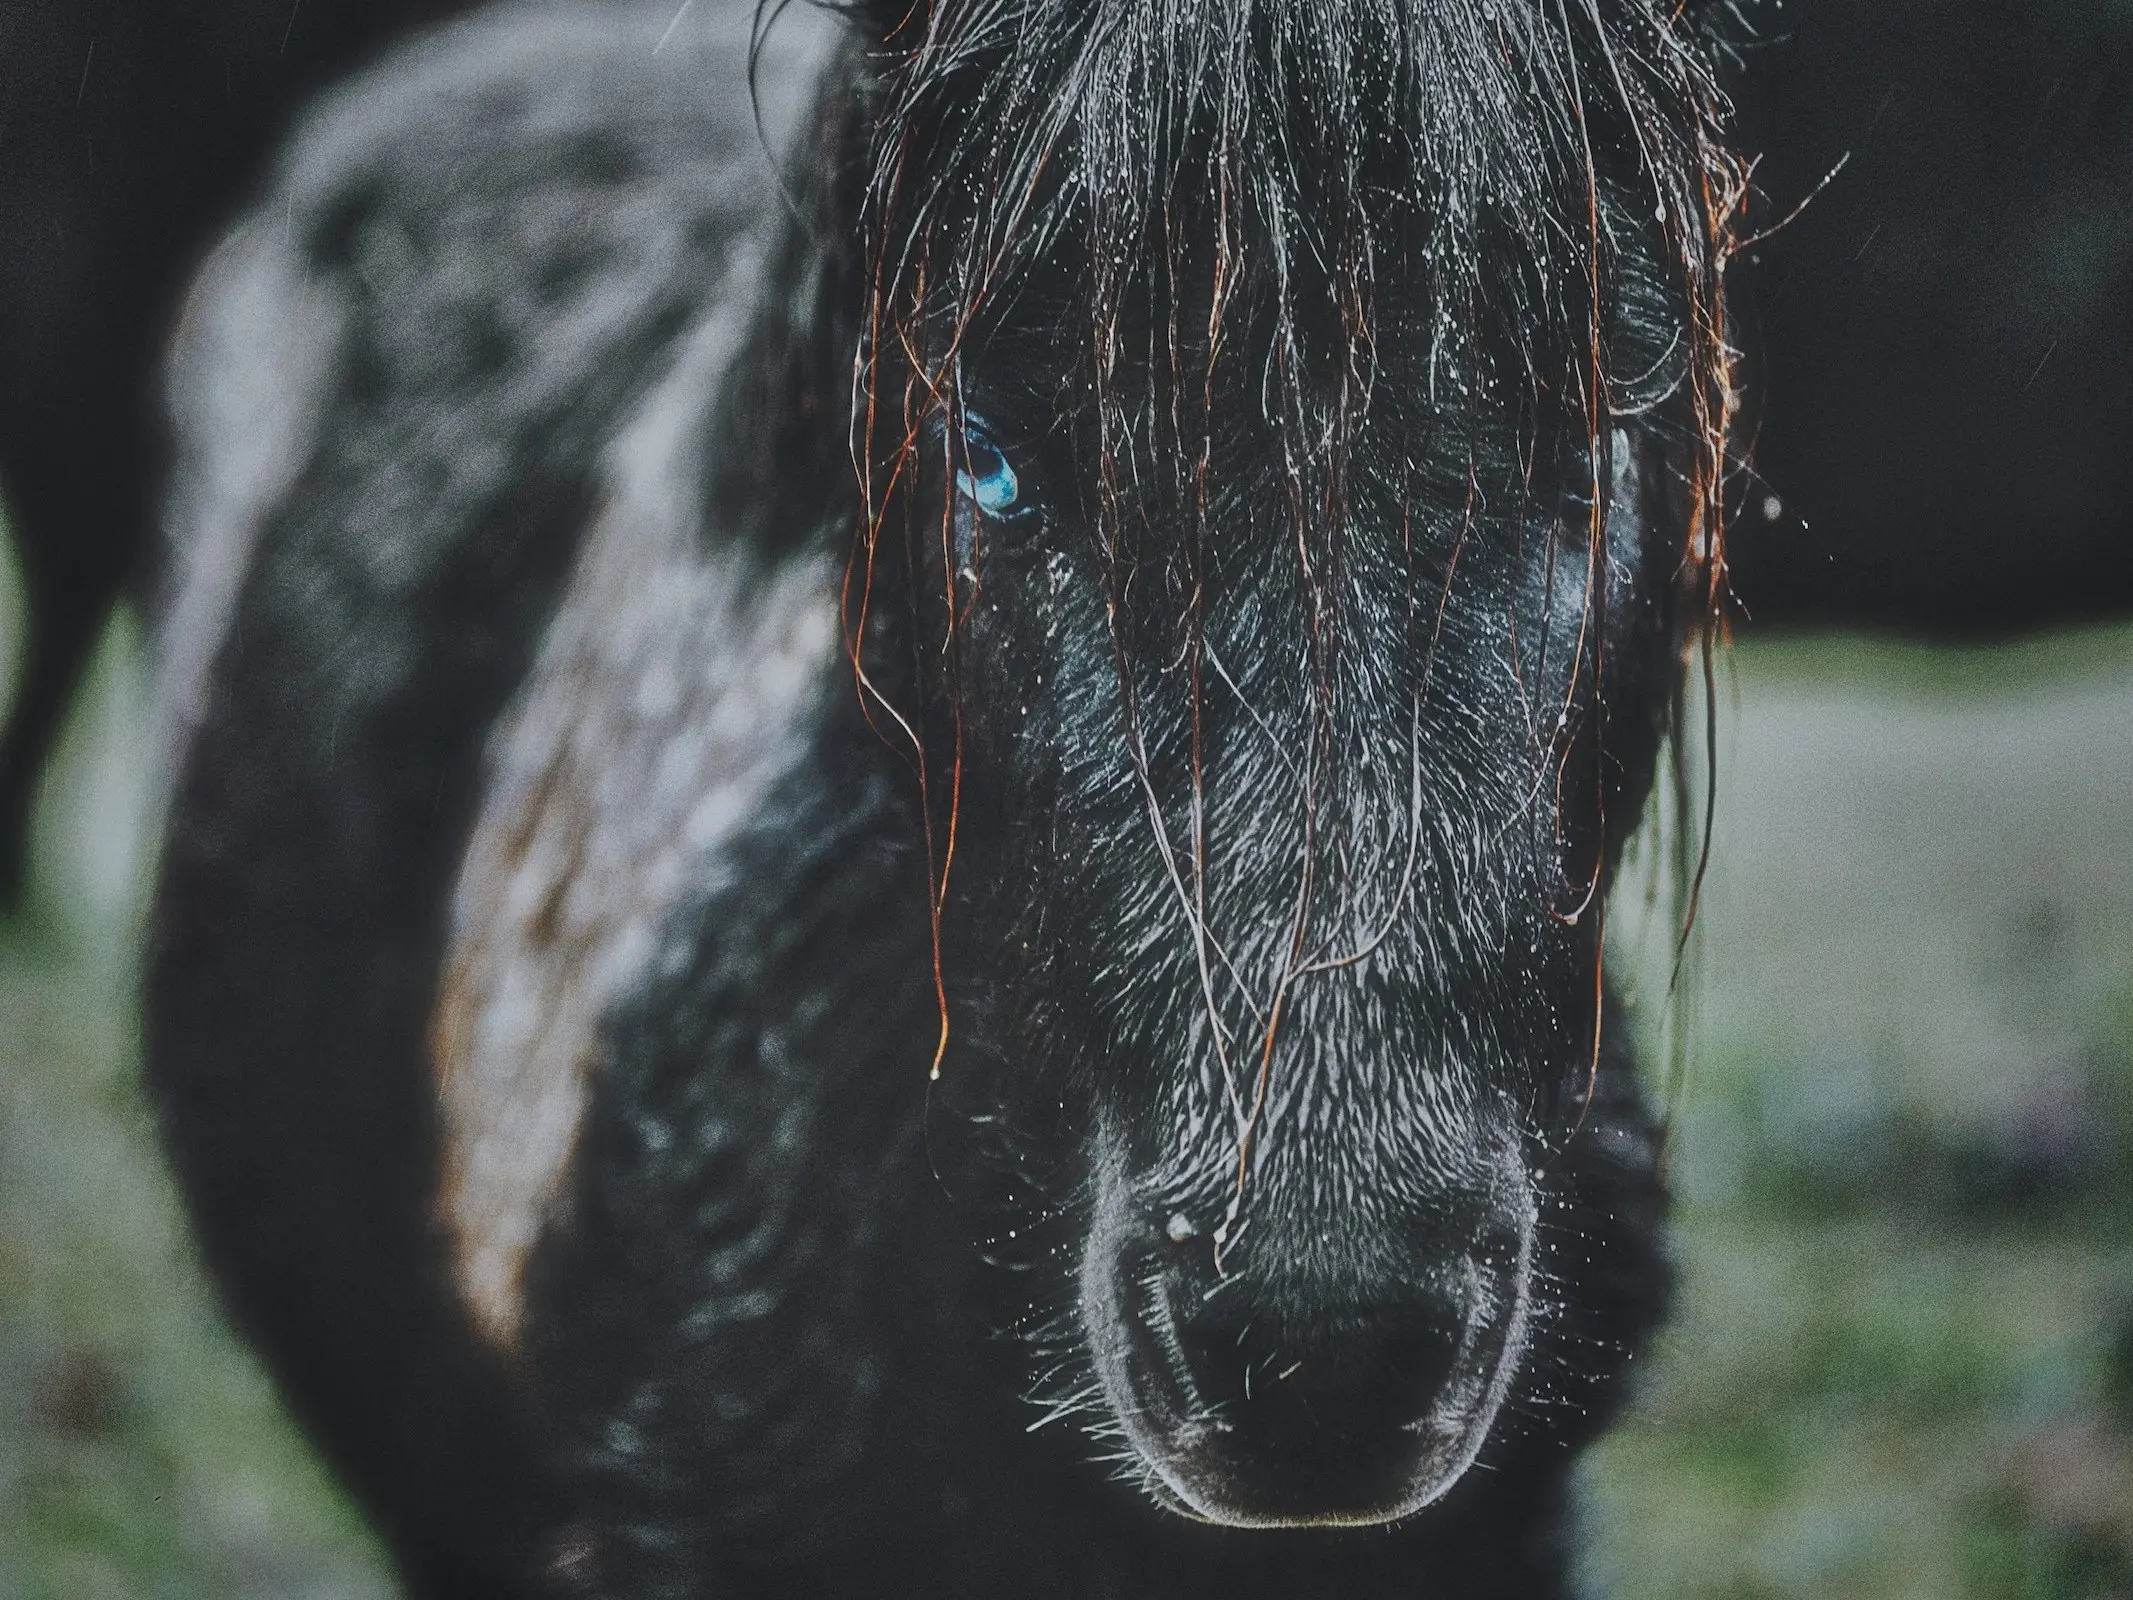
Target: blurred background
1902 1362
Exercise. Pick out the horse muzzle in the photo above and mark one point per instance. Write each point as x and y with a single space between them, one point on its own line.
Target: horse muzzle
1269 1393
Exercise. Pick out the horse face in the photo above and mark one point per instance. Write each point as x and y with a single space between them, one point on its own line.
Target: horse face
1286 806
1303 571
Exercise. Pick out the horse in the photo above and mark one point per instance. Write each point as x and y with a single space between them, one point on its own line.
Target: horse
885 869
130 133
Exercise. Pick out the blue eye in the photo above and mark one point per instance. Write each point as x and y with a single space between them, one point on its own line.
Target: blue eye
985 477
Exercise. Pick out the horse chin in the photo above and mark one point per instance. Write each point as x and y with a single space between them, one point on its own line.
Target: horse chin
1211 1503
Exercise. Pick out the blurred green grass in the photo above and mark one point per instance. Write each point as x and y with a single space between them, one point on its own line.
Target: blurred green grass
1902 1365
142 1453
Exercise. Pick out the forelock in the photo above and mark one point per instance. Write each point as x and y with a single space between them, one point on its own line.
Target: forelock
1308 140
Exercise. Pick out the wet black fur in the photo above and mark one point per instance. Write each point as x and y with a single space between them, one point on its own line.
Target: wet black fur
398 596
765 1352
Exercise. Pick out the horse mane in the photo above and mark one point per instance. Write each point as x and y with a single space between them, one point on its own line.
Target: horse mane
1492 142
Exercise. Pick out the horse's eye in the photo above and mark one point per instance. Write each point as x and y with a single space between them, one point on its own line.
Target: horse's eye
986 478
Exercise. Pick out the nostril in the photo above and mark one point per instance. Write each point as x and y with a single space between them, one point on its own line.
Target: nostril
1163 1376
1419 1350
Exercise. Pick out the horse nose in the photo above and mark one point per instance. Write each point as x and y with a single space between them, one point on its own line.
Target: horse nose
1324 1418
1299 1385
1306 1387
